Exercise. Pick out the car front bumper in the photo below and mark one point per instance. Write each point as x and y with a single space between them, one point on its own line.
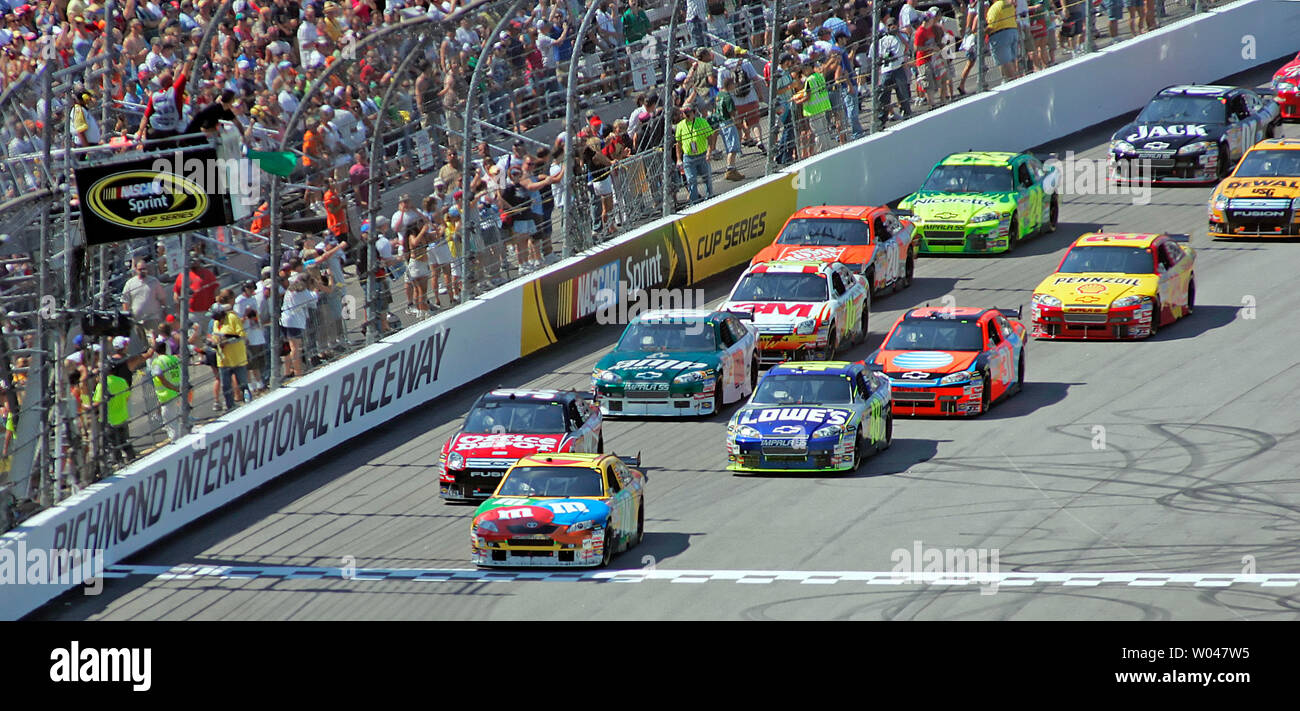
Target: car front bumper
959 239
750 455
1130 322
538 553
928 401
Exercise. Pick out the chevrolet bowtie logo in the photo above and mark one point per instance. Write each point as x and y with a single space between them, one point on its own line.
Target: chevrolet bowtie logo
915 375
1157 145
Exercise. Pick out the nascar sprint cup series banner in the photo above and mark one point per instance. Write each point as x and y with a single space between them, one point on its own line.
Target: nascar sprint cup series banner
651 270
170 192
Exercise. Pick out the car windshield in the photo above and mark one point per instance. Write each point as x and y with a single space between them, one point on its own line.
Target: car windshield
936 335
552 481
1183 109
781 286
516 417
692 335
825 233
803 390
969 179
1269 164
1117 260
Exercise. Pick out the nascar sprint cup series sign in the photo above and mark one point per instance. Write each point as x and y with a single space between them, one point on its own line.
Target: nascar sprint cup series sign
172 192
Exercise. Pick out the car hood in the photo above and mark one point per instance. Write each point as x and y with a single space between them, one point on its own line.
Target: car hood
651 367
791 420
1094 289
1167 136
939 362
781 312
956 207
529 516
1259 188
847 254
503 446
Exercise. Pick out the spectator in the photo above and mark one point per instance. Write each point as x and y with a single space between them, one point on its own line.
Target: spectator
636 24
1004 38
415 249
202 293
692 134
165 367
228 340
145 298
784 146
725 123
247 307
293 320
816 102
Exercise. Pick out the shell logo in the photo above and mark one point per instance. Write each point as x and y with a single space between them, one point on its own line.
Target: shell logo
1090 288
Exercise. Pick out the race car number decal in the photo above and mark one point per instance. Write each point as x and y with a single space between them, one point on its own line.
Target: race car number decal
520 441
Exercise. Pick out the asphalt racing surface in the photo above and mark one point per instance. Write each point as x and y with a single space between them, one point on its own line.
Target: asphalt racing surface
1169 463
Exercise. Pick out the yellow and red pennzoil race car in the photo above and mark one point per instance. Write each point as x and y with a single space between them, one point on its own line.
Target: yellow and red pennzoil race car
1262 196
1111 286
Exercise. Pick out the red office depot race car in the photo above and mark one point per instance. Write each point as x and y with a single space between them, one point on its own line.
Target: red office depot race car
870 241
952 361
505 425
1286 89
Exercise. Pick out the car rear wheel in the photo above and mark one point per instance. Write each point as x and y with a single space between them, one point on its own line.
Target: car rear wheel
640 526
1020 371
1191 296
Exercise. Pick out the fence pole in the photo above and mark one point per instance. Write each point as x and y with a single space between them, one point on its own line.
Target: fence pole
183 318
273 299
981 25
875 66
670 178
774 61
1090 27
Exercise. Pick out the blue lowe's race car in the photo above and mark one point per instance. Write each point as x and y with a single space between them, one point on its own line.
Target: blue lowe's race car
812 416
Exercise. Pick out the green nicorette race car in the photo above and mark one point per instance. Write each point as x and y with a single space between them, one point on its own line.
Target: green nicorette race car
981 203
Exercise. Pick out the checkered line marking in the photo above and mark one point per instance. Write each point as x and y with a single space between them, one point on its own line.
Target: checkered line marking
749 577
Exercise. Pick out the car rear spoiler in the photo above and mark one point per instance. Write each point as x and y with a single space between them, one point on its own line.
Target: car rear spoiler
1012 313
633 462
899 212
1184 238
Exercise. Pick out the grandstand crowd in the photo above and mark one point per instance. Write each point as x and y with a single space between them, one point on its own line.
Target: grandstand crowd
161 85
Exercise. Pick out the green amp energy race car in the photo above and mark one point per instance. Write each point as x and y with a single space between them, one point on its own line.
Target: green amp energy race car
678 362
983 203
812 416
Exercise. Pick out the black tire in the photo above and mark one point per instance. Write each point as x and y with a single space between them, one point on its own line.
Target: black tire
753 375
986 393
1225 164
1054 214
1155 319
1191 296
640 526
607 553
832 345
857 450
1020 371
1270 131
862 327
909 269
889 429
1013 234
718 403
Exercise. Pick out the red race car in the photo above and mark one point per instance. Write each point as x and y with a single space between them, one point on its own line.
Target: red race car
505 425
870 241
952 361
1286 89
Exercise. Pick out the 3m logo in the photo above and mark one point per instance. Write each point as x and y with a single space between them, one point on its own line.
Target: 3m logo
779 309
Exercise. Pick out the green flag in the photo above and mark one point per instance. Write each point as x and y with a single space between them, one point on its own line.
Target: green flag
281 163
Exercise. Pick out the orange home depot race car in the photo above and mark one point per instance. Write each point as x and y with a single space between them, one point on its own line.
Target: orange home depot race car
1116 286
952 361
870 241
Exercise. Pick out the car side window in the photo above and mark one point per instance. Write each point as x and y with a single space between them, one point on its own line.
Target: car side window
1026 179
864 385
575 417
993 333
837 285
724 333
611 480
1167 258
1004 327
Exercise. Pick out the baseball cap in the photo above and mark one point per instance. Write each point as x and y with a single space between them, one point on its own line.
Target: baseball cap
681 76
78 340
120 343
250 284
453 211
